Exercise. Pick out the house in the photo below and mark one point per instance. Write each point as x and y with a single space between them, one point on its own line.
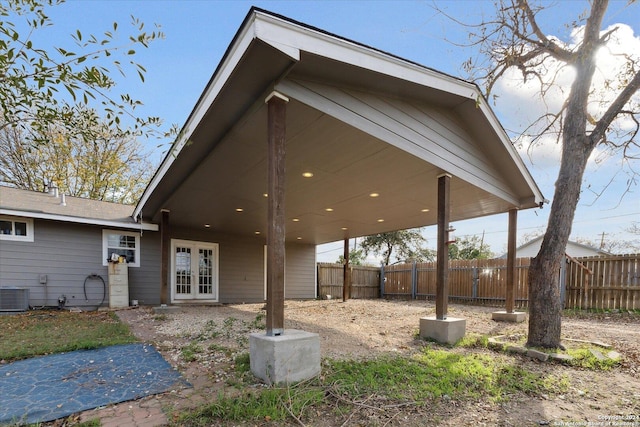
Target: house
573 249
57 247
368 139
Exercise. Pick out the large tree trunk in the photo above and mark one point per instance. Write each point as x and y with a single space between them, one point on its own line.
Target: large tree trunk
545 306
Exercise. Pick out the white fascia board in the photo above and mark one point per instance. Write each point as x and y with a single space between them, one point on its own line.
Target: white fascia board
211 92
290 37
78 220
506 141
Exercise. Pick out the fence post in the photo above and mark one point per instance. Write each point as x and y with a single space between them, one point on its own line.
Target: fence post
474 286
382 281
414 280
563 282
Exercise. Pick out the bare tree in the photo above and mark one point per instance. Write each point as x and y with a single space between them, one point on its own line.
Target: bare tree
103 164
605 114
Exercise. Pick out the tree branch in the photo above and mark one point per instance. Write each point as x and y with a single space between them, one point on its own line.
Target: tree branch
544 42
599 131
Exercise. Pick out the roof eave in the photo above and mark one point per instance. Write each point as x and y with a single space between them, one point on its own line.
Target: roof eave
276 32
129 225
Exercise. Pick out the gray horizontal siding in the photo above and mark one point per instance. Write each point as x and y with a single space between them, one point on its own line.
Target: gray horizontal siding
241 266
67 254
300 275
70 253
144 281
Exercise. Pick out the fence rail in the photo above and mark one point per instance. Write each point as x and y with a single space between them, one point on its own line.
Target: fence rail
603 282
365 281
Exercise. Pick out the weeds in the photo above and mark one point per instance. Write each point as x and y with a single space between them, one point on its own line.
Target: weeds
189 352
382 383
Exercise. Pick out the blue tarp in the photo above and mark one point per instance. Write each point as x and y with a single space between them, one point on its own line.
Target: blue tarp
51 387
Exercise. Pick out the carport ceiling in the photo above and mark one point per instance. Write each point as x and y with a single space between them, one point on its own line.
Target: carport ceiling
374 141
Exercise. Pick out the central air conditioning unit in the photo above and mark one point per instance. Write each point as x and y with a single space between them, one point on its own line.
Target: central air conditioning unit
14 299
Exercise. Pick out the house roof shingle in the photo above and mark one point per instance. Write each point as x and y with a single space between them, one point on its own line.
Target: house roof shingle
35 204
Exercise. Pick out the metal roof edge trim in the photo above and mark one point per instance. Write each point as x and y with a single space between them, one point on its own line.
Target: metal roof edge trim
81 220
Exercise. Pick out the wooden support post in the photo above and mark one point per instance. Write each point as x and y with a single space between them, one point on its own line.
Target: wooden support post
510 297
442 268
346 277
277 106
165 256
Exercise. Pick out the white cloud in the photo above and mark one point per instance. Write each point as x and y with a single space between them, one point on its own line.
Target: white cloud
519 102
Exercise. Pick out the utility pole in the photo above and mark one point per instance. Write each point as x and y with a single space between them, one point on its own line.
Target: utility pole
602 241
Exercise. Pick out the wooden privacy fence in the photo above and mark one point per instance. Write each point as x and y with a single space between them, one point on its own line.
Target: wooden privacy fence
604 282
479 281
365 281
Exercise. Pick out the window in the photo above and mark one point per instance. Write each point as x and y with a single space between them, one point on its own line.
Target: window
121 243
14 228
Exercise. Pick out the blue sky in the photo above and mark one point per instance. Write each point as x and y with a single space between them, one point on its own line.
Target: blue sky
198 33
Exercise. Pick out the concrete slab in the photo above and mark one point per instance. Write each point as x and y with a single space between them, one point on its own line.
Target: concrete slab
166 309
503 316
535 354
285 359
447 331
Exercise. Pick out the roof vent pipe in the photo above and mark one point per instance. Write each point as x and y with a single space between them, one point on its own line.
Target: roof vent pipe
53 190
63 200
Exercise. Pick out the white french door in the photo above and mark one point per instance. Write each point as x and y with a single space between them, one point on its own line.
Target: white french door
194 270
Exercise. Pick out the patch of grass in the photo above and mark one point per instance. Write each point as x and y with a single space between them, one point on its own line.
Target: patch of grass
243 363
271 404
439 373
418 380
584 358
259 321
220 348
472 340
228 326
43 332
190 351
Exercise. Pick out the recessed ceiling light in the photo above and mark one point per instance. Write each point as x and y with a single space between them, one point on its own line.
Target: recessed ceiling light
381 220
307 174
207 226
296 220
425 210
374 194
344 229
298 238
256 232
265 195
239 209
329 209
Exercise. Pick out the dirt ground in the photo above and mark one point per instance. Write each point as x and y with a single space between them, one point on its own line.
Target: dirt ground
214 335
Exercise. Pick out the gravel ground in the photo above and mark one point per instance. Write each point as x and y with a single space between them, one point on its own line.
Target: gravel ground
202 342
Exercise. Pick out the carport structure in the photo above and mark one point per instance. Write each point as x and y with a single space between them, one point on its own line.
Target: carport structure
316 138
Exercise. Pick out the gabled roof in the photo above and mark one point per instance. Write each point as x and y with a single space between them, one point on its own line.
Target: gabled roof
35 204
361 120
573 249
